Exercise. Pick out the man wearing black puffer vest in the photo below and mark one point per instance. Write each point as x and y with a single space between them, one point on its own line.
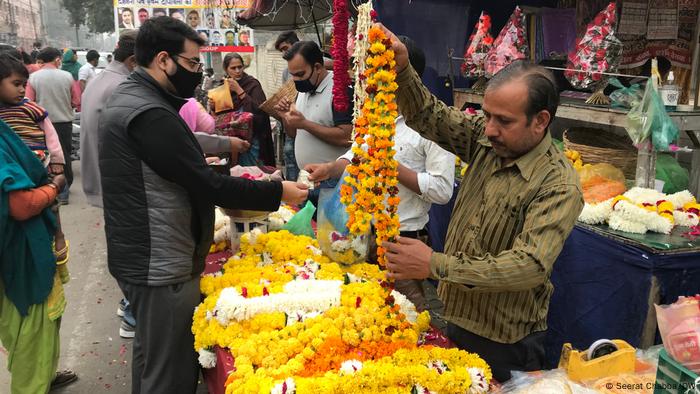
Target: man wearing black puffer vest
159 196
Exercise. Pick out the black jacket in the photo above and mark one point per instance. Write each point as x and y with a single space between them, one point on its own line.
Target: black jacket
158 192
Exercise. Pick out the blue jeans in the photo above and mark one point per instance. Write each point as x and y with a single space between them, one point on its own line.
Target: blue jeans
291 171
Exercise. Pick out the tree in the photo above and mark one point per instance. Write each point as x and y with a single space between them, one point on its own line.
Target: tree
76 15
100 18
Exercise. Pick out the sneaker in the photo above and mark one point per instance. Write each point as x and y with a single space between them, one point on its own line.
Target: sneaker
126 330
123 304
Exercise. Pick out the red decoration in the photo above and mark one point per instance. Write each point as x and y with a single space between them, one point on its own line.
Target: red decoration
341 62
510 45
597 51
479 44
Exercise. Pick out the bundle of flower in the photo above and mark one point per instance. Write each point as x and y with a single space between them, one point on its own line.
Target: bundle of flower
510 45
296 322
596 52
640 210
480 43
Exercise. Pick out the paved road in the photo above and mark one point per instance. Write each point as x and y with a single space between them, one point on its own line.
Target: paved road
90 342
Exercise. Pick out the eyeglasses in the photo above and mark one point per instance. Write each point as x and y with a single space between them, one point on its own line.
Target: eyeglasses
192 62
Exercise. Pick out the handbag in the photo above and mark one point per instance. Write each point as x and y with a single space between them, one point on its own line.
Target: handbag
235 124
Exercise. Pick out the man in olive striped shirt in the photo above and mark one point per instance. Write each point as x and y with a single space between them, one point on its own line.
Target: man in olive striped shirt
516 206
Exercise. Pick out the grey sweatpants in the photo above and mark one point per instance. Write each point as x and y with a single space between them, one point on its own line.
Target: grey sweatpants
164 359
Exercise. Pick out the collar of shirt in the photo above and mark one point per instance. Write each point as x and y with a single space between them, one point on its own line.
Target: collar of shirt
525 163
324 84
117 67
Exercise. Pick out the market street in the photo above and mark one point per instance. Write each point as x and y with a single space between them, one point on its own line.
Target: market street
90 342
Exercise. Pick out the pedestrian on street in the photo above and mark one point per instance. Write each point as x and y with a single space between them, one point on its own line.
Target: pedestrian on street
54 90
31 291
159 196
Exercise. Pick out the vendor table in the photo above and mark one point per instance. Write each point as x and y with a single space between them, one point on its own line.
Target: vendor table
688 122
605 282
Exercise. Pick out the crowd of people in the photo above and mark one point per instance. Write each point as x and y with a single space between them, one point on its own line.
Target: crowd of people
144 141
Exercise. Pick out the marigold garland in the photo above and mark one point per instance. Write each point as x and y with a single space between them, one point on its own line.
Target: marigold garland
373 172
341 79
287 344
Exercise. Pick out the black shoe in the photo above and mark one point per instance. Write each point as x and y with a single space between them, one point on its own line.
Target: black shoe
63 379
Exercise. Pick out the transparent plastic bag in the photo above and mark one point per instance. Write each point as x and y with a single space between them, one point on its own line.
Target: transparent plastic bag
334 238
679 326
648 119
600 182
675 177
625 97
300 223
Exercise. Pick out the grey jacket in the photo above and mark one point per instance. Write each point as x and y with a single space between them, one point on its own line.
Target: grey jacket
93 100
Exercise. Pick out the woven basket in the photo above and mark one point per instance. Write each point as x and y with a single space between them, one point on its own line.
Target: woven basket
288 91
599 146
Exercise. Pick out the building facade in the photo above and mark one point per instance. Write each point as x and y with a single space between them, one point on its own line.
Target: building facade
21 23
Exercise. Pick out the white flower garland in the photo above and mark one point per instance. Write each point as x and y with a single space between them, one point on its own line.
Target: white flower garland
479 383
299 296
349 367
286 387
639 214
406 306
280 217
207 358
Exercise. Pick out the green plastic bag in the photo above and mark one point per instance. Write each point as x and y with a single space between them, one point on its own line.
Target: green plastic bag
300 223
675 177
648 119
625 97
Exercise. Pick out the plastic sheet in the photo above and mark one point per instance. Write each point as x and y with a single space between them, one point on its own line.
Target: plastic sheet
300 223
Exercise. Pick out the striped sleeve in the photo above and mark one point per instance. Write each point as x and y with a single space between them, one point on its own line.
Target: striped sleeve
449 127
550 218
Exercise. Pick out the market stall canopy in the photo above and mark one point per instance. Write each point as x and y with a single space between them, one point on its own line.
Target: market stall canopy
278 15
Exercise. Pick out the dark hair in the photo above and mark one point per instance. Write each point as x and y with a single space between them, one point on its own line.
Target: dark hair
541 86
26 58
125 45
48 54
109 55
229 31
142 9
10 64
92 55
37 44
209 71
309 50
10 50
193 12
288 37
162 34
231 56
126 9
416 56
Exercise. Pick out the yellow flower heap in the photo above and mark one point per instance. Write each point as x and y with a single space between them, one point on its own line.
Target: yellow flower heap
373 172
366 340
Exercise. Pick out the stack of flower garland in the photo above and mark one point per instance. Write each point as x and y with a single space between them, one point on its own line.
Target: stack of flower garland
296 322
640 210
370 191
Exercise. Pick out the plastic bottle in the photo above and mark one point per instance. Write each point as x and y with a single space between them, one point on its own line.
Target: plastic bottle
670 92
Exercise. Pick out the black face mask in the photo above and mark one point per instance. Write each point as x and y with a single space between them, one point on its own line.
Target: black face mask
305 85
184 80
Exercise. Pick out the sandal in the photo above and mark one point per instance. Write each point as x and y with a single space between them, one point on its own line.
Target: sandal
63 378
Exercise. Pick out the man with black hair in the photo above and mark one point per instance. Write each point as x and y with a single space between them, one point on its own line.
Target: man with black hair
159 196
53 89
517 204
36 47
321 134
285 41
87 71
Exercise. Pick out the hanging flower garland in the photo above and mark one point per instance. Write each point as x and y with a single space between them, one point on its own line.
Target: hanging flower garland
341 79
374 172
